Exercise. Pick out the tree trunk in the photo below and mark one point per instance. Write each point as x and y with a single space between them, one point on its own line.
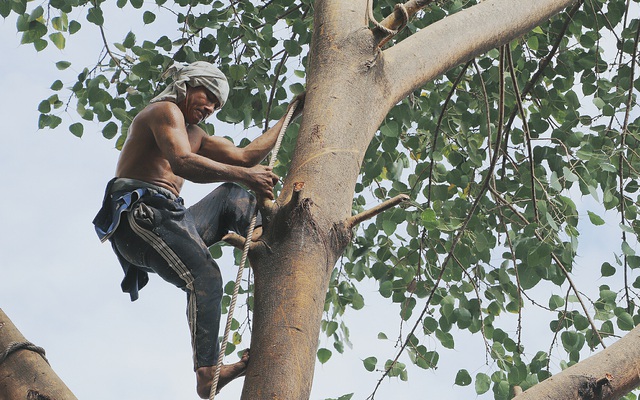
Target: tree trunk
25 374
351 87
609 374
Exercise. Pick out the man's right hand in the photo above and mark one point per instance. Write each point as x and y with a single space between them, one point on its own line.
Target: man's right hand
261 180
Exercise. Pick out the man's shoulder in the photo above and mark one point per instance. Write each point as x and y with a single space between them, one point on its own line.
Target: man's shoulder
161 112
160 107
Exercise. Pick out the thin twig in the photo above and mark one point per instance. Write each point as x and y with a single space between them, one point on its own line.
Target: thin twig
436 131
454 243
525 128
558 263
538 74
625 127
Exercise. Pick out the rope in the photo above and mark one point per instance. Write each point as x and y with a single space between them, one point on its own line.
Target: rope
245 253
15 346
378 25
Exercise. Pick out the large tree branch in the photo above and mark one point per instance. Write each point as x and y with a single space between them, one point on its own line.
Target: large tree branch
460 37
337 18
25 374
609 374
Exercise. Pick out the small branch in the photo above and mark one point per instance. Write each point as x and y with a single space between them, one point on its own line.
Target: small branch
624 131
538 74
365 215
558 263
297 192
106 47
273 89
525 128
454 242
267 209
235 240
436 131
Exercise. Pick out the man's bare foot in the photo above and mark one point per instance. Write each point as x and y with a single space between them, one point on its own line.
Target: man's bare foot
228 372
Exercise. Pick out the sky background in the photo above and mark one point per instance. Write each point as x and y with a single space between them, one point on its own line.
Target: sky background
60 286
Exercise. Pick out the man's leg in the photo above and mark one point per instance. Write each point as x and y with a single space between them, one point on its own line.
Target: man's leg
228 372
227 208
162 237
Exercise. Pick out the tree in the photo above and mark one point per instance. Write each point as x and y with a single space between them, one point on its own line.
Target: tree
491 152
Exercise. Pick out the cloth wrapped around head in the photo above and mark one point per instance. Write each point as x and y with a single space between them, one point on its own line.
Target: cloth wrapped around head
199 73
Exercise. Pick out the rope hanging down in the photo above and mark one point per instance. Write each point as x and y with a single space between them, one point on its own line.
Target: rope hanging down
15 346
243 260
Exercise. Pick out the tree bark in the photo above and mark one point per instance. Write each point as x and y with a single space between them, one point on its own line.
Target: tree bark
351 87
461 37
25 374
609 374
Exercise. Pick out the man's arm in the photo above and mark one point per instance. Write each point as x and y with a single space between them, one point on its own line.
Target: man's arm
170 133
222 150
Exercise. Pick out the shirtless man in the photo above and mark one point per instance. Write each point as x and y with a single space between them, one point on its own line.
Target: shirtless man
150 229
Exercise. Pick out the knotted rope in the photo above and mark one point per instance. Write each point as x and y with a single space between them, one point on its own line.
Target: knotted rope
378 25
15 346
243 260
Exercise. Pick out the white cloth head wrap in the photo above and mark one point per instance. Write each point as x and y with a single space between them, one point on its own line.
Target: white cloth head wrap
199 73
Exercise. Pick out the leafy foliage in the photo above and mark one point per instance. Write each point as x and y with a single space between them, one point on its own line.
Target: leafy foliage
497 155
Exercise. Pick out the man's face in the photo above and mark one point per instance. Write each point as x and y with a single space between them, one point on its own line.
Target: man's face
199 104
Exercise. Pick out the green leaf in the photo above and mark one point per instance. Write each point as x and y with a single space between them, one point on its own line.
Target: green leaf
625 321
237 72
572 341
627 250
94 15
77 129
148 17
40 44
445 338
58 39
62 65
556 302
324 355
57 85
463 378
5 8
74 26
598 102
110 130
60 23
129 40
633 261
44 106
607 269
595 219
483 383
370 363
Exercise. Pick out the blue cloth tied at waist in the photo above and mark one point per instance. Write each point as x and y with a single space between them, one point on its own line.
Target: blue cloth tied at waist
120 196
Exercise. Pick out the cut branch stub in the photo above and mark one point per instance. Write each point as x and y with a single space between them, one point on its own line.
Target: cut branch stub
368 214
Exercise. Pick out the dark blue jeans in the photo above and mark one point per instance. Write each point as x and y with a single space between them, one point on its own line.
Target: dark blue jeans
160 235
